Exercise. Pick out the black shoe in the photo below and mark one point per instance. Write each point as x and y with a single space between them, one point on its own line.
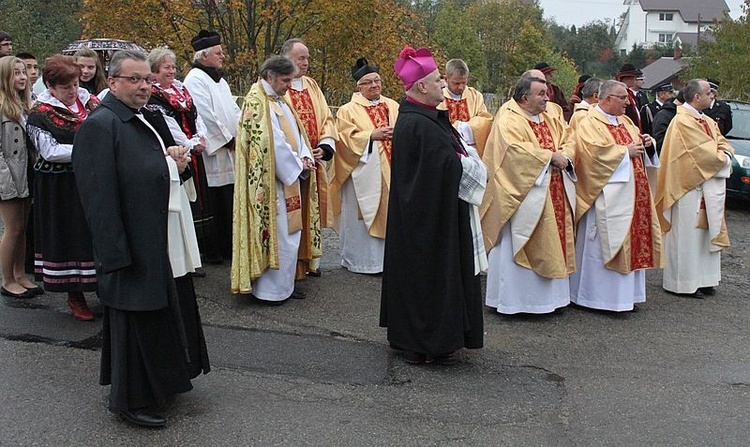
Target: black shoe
36 290
24 294
414 358
141 417
199 273
297 295
684 295
444 359
708 291
315 273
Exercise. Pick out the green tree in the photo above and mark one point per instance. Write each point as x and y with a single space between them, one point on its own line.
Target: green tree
41 27
455 35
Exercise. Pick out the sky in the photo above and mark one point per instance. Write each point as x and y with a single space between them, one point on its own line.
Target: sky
579 12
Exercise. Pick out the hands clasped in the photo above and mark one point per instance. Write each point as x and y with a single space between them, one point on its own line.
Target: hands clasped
180 155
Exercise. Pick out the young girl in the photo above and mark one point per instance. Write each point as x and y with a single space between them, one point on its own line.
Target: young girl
92 74
15 161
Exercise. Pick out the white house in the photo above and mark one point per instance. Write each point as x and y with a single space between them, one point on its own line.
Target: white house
649 22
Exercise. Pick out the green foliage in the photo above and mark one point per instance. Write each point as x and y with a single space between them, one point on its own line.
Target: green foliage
457 38
41 27
565 75
726 58
589 46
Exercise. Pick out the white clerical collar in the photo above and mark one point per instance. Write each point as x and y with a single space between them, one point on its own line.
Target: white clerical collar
693 110
267 88
453 96
297 84
660 103
585 103
713 101
612 118
371 101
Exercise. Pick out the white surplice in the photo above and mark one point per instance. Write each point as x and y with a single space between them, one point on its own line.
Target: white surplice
278 285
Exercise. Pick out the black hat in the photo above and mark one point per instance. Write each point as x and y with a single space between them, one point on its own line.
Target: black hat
713 83
362 68
662 88
628 70
583 78
205 39
544 67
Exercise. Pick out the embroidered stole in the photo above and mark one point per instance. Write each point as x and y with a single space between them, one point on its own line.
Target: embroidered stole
379 116
556 187
641 237
291 193
458 110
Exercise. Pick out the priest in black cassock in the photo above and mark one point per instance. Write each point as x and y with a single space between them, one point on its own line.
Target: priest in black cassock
431 298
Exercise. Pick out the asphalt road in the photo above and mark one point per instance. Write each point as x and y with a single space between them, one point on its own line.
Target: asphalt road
318 372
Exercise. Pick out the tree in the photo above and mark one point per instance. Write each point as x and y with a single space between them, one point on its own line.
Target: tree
455 35
41 27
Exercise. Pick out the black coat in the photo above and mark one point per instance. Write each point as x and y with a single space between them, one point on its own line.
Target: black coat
648 113
123 181
661 122
722 114
431 300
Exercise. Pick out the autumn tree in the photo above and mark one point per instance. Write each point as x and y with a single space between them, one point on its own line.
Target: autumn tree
40 27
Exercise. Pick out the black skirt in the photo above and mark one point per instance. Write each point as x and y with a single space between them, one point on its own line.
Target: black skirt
203 211
191 319
142 358
63 251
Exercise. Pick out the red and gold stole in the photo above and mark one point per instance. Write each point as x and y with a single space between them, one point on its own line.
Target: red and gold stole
641 239
556 187
303 105
458 110
379 116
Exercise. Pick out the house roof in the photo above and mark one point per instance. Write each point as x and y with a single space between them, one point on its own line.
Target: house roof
690 10
687 38
661 71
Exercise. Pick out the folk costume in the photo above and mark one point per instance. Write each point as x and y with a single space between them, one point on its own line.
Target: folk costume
277 219
431 296
618 235
527 213
187 127
469 116
690 201
63 254
308 101
361 181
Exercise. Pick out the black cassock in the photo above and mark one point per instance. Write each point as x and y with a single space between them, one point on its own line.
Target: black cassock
431 299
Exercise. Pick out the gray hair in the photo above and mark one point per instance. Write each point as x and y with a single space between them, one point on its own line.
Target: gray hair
523 88
157 56
591 87
115 64
287 46
200 54
692 88
608 87
276 66
456 67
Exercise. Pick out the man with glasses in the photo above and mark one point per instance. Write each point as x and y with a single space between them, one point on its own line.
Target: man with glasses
618 234
307 100
215 104
527 212
691 190
362 171
128 171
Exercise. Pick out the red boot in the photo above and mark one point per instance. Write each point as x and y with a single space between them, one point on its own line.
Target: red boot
79 307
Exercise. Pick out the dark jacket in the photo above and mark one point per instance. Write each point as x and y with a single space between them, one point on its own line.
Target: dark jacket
557 96
648 112
431 300
661 122
722 114
123 181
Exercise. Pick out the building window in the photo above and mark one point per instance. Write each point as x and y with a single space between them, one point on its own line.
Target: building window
666 16
665 38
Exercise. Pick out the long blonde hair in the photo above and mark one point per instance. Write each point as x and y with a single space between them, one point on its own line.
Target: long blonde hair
13 103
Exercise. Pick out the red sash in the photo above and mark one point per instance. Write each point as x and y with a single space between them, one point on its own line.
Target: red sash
641 239
458 110
556 186
379 116
303 105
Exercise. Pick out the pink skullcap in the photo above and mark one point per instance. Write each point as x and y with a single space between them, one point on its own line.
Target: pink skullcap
412 65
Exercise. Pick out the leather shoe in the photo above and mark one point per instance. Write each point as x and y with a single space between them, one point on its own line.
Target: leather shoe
36 290
24 294
708 291
80 309
297 295
314 273
142 418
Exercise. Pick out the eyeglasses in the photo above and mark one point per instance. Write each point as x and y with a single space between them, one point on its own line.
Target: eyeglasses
371 81
134 79
621 98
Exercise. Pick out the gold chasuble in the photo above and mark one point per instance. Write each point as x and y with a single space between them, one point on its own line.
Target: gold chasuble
625 213
469 109
355 121
693 152
255 237
518 151
579 112
312 109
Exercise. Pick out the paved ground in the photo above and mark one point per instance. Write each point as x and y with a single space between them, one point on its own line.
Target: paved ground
318 372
